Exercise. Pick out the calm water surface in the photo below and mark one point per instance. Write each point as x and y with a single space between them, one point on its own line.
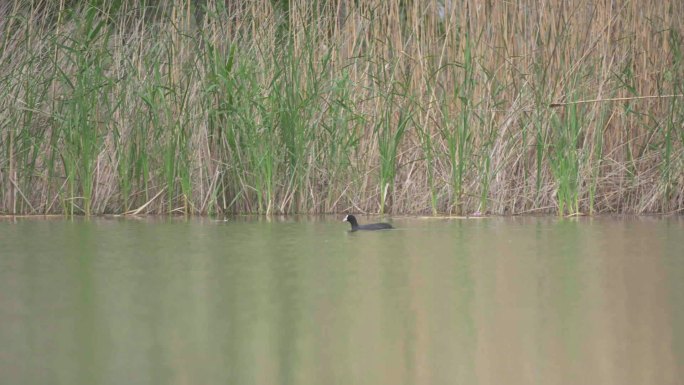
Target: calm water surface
302 301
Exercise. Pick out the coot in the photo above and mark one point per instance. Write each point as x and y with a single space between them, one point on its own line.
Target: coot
373 226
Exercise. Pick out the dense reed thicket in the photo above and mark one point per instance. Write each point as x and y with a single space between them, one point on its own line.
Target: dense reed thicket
261 106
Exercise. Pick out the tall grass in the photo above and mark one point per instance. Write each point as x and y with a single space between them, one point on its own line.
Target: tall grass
197 107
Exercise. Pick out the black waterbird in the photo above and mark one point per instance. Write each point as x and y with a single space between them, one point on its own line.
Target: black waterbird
372 226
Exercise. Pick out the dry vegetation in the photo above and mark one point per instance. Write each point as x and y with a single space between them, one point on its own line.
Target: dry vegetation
332 105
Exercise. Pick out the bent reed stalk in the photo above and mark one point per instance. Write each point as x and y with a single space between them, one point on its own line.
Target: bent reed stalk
438 106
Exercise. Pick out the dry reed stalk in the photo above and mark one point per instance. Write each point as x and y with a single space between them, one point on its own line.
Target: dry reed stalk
600 100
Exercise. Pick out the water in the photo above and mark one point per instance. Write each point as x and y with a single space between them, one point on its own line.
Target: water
301 301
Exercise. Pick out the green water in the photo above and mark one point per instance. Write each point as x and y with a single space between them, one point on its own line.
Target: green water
302 301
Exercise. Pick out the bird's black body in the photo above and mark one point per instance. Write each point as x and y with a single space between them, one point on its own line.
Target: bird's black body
372 226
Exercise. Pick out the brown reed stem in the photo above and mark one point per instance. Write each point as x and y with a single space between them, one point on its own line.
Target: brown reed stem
614 99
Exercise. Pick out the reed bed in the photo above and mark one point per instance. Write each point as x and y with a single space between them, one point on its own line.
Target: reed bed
436 106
